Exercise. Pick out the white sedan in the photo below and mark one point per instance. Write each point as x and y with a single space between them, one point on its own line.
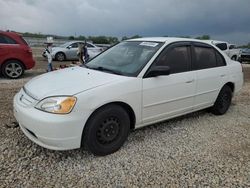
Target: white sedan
133 84
68 51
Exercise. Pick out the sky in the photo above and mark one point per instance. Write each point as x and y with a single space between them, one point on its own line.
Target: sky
227 20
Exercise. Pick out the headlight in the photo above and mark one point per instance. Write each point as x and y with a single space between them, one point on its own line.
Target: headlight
57 105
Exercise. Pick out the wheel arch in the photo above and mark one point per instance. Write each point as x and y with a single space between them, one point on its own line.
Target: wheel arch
10 59
61 53
234 56
125 106
231 85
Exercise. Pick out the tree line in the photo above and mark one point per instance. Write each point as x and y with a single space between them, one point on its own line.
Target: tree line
108 39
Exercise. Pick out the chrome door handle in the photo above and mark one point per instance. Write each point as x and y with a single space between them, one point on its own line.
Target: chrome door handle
190 81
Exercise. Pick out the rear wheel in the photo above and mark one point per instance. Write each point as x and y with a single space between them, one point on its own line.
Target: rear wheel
107 130
60 56
223 101
12 69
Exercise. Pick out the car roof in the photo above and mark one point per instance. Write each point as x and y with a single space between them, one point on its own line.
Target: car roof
9 33
77 41
216 41
169 40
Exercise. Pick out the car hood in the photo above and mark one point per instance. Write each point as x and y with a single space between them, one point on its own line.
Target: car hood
68 81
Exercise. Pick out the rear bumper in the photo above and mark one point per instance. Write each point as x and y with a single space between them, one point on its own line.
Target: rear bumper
29 63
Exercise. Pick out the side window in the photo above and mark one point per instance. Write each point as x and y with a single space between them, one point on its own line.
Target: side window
220 59
222 46
2 40
177 58
204 57
74 45
6 40
90 45
9 40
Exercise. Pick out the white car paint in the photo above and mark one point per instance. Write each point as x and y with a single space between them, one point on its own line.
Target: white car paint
152 99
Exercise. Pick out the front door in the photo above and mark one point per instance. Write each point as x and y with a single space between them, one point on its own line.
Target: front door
170 95
72 51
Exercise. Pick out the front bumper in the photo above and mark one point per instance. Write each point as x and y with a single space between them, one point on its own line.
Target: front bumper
52 131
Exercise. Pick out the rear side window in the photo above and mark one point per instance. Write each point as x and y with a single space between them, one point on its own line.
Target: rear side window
177 58
222 46
90 45
6 40
24 41
204 57
220 59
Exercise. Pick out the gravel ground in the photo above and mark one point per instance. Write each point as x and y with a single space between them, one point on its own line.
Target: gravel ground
198 149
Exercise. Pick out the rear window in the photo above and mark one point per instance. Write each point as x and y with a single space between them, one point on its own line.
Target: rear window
24 41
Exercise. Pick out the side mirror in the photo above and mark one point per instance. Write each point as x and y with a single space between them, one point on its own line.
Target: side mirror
158 71
68 47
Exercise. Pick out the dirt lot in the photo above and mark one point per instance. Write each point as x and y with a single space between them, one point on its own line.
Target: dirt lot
199 149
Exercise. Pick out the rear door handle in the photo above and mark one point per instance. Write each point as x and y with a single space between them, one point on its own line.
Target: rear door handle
190 81
222 75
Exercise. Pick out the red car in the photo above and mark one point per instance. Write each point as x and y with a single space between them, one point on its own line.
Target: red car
15 55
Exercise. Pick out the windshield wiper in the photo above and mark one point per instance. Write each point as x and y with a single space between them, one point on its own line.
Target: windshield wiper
106 70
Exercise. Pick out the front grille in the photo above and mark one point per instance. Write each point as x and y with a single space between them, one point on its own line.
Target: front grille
25 99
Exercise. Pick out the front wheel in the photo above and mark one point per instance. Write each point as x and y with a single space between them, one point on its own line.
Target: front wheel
106 130
60 56
13 69
223 101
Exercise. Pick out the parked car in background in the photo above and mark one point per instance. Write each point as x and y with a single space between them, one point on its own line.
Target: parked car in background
244 55
15 55
68 51
229 49
130 85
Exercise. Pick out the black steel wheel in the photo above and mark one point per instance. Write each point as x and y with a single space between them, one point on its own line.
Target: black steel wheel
106 130
223 101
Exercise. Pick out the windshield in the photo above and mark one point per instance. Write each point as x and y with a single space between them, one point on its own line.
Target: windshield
125 58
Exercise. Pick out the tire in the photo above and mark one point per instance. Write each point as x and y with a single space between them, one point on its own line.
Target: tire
60 56
223 101
106 130
12 69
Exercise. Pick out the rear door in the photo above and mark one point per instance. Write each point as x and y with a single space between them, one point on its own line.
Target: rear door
210 69
170 95
7 46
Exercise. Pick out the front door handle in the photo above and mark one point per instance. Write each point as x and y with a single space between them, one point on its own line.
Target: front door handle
190 81
223 75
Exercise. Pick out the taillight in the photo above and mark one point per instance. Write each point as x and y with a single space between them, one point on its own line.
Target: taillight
29 50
